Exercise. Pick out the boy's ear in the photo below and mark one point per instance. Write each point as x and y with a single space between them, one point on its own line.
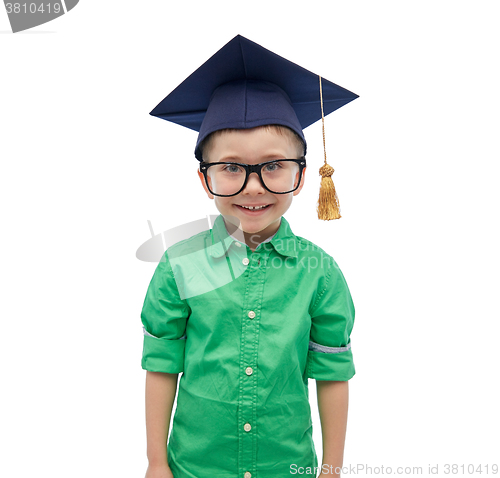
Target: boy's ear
297 191
202 179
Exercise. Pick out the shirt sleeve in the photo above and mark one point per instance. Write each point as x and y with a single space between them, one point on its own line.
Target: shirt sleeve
164 317
332 319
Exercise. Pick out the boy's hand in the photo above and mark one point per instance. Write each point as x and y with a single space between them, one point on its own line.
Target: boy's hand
159 471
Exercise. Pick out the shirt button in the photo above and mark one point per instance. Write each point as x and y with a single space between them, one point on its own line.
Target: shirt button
249 371
237 244
251 314
247 475
247 427
245 261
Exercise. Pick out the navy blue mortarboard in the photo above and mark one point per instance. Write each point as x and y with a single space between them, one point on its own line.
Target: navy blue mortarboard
244 85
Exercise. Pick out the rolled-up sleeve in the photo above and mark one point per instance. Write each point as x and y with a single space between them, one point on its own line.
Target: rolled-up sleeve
164 317
332 319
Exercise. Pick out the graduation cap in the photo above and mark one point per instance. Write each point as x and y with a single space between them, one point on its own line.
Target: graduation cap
243 86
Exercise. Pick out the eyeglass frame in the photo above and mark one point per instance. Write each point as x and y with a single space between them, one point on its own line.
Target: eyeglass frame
253 168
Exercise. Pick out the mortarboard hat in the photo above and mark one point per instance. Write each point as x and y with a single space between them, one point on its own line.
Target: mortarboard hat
243 86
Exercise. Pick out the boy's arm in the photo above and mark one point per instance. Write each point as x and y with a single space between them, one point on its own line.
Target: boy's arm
333 398
160 393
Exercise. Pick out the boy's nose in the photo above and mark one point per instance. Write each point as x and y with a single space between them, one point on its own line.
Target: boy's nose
254 185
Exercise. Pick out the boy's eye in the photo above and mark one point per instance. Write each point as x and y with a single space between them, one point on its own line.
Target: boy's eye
274 166
232 168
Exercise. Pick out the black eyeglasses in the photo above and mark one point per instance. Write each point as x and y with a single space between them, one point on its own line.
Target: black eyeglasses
279 176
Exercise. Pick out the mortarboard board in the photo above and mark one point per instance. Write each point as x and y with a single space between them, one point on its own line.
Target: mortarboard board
243 86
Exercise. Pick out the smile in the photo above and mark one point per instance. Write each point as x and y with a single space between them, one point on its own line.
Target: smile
254 208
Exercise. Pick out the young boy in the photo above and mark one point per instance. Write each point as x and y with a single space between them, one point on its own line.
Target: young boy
247 311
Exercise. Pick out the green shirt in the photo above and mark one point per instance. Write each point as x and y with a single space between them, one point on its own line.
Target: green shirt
246 329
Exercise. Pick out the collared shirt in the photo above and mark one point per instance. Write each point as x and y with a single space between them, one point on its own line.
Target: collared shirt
246 329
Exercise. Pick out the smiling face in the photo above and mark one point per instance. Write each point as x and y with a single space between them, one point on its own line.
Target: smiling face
253 146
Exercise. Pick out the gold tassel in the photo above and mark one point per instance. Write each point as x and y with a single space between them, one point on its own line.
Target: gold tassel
328 203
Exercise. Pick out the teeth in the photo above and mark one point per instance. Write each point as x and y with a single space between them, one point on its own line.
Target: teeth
254 208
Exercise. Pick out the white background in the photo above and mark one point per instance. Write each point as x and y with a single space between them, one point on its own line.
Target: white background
84 166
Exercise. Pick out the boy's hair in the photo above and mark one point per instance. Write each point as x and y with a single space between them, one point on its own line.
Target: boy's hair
206 144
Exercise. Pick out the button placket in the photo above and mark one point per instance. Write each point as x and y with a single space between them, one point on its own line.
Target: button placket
247 410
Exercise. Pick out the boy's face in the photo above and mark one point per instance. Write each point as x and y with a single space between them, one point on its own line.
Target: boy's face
253 146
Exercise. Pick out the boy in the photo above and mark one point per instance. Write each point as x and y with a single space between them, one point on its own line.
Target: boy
247 311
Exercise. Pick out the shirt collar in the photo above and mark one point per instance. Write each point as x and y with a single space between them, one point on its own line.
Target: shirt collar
284 240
